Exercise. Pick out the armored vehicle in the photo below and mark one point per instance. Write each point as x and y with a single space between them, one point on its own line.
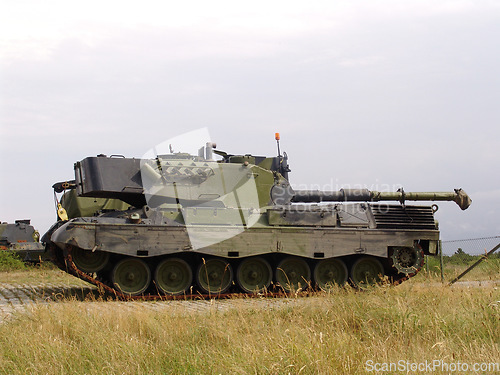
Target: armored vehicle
194 225
22 239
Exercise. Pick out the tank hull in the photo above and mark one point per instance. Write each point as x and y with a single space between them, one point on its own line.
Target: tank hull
158 240
306 240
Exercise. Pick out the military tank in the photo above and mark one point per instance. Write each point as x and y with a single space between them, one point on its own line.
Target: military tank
22 239
195 225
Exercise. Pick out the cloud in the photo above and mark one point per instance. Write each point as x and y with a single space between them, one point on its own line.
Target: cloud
361 61
33 31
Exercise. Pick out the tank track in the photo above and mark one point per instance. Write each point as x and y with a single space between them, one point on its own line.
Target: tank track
63 259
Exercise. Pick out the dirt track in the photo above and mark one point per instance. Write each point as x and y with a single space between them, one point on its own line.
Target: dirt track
20 298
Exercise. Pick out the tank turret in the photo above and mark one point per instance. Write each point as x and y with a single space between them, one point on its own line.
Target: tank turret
193 180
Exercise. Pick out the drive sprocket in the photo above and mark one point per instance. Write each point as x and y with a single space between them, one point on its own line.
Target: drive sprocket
407 260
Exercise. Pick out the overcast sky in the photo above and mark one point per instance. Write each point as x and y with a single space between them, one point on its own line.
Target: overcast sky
364 93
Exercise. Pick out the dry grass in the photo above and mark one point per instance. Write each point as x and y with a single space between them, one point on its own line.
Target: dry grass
39 274
332 333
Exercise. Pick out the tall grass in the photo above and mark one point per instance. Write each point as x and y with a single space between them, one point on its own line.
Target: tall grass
335 333
488 269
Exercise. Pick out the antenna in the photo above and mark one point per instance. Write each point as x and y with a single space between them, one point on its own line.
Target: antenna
277 137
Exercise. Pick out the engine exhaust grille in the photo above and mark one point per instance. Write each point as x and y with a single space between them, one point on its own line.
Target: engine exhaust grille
403 217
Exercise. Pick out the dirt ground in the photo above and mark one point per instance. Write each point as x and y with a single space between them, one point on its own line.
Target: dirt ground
22 297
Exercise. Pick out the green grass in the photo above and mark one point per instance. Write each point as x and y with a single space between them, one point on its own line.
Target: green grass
14 271
334 333
10 261
488 269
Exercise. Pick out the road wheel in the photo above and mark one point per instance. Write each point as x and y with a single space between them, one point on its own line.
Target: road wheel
89 261
292 274
330 272
366 271
254 275
131 276
214 276
173 276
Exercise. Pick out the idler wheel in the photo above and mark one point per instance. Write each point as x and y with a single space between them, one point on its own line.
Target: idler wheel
254 275
330 272
131 276
366 271
214 276
292 274
89 261
173 276
407 260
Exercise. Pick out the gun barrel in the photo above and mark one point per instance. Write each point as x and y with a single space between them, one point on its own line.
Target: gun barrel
342 195
459 196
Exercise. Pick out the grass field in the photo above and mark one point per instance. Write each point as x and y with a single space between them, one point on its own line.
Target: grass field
488 269
14 271
334 333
